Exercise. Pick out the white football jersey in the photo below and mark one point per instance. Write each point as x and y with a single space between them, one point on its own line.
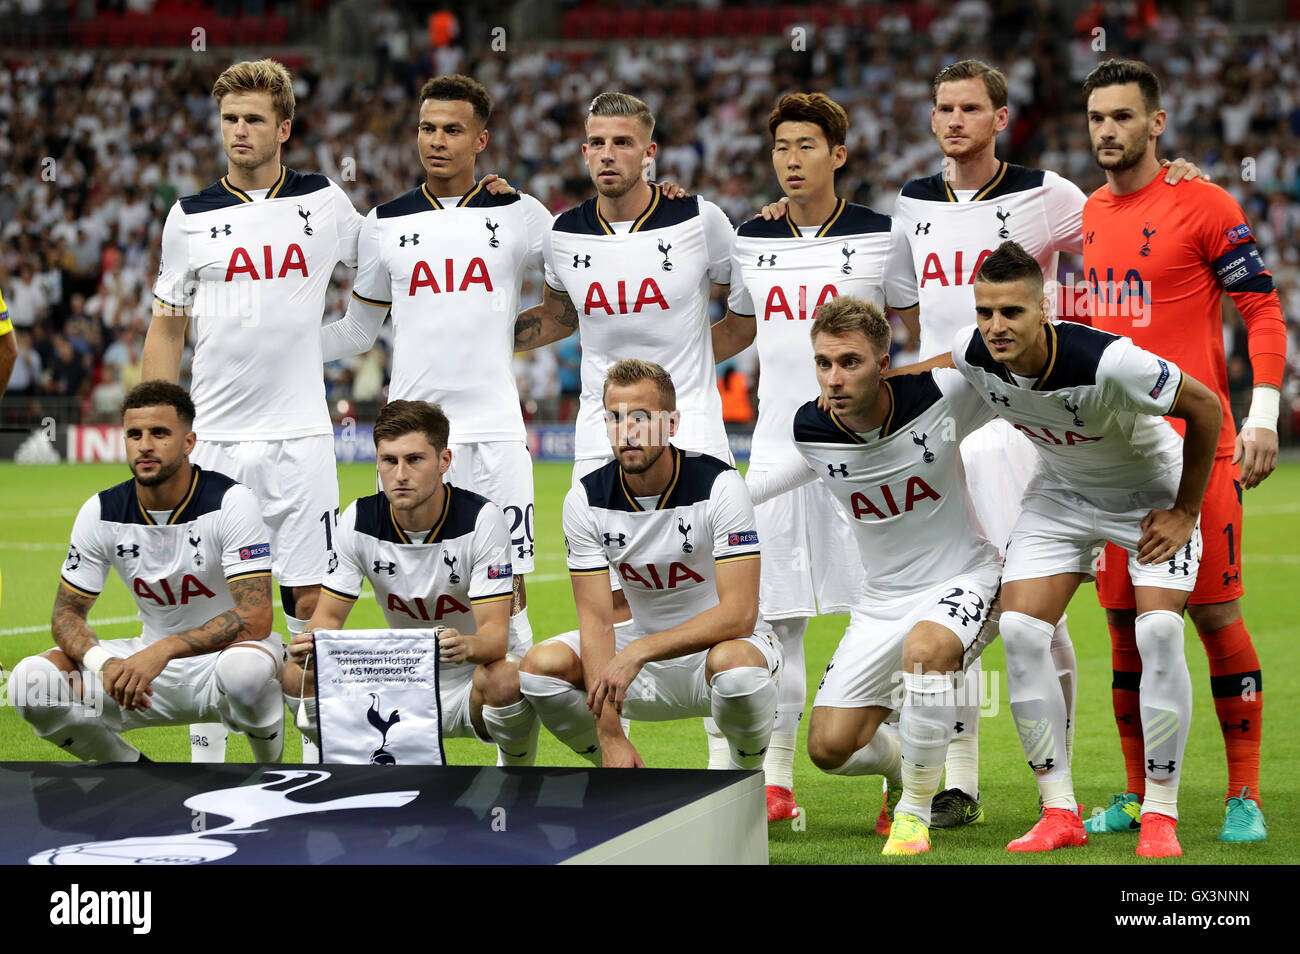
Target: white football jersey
1096 413
644 293
254 273
178 565
903 486
664 551
420 584
780 277
950 238
452 277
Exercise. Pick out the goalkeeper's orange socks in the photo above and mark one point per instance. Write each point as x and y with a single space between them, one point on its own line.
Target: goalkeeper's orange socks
1238 702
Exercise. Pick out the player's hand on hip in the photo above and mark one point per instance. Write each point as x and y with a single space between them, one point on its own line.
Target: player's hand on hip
611 687
453 646
1164 533
1257 452
1181 169
497 185
620 753
774 210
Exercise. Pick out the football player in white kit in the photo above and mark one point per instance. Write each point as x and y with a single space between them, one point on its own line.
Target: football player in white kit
1110 469
437 556
249 259
888 450
631 269
448 258
191 546
678 528
786 269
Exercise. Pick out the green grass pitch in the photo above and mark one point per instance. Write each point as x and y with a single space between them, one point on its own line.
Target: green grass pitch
41 502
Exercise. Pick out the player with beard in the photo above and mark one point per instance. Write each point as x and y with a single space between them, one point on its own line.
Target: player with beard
1179 252
678 528
249 260
191 547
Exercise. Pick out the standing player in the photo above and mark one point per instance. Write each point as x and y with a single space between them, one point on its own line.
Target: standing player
787 269
1178 253
436 556
448 258
631 270
679 530
1110 470
889 453
249 259
191 546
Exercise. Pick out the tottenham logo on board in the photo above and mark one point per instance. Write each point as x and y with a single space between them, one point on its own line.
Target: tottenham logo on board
248 807
381 755
666 265
306 220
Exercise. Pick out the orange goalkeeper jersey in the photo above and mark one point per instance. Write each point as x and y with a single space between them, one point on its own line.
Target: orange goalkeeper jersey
1157 262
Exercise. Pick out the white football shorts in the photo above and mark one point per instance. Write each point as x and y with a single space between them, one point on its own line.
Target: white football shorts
867 666
296 483
501 471
1063 532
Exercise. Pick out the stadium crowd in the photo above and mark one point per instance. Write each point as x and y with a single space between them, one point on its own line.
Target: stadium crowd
95 146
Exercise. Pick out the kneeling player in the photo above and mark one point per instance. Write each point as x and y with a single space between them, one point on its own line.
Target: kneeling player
889 452
679 531
191 546
436 556
1110 470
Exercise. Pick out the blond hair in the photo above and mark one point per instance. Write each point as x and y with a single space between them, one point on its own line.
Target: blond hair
258 76
623 104
634 370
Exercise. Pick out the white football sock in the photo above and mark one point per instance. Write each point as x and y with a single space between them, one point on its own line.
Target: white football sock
963 762
883 755
778 766
562 707
514 728
521 634
251 699
1067 671
208 742
924 727
1038 706
39 690
719 748
743 700
1165 697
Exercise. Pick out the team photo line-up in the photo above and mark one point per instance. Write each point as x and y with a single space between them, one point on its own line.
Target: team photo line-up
935 506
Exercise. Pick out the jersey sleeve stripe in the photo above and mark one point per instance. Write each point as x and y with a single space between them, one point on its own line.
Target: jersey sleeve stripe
250 575
168 304
77 589
737 558
497 598
371 301
579 572
339 595
1178 391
